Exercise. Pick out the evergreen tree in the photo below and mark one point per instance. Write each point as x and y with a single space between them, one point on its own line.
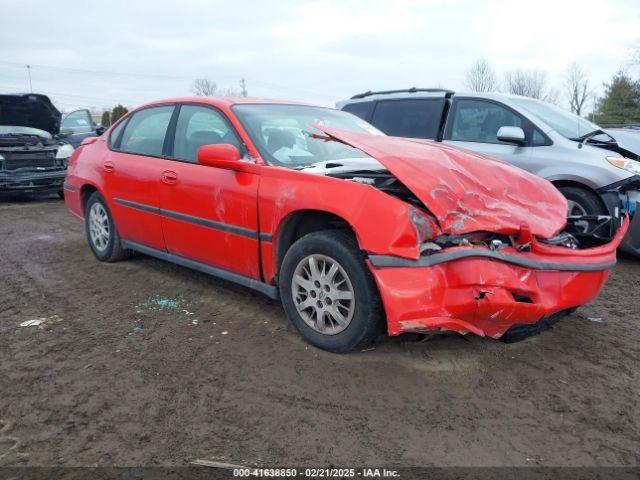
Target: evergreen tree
621 101
105 121
117 112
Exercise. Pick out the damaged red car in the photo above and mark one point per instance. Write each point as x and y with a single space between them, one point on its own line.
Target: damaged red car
354 231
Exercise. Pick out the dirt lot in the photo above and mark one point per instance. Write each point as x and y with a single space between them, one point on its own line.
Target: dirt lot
146 363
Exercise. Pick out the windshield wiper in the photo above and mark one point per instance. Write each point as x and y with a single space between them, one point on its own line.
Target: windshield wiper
588 136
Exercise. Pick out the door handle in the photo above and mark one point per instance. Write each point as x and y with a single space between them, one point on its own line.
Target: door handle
109 166
169 177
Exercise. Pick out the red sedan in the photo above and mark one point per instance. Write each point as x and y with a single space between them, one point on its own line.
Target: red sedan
354 231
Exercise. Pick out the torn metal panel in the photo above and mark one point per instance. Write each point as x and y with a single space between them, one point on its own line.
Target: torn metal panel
467 192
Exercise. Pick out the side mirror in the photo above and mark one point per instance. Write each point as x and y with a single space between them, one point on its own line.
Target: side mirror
224 155
65 132
100 130
511 135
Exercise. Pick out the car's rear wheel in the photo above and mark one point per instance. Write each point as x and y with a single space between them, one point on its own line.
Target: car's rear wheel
329 293
102 235
581 201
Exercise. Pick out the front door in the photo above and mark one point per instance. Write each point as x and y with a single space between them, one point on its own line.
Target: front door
132 175
209 214
474 124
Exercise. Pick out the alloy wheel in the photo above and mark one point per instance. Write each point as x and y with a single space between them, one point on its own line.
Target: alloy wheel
323 294
99 227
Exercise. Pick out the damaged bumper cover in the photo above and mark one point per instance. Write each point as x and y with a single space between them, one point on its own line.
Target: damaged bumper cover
485 292
32 181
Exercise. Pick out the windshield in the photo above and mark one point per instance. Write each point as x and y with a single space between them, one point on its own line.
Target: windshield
565 123
16 130
284 136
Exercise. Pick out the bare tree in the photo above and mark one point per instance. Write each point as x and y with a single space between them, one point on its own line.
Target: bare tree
481 77
528 83
577 86
203 87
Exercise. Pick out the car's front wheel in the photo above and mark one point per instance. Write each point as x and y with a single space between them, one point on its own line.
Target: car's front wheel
329 293
582 202
101 231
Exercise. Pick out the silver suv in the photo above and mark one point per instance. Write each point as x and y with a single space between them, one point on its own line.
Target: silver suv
599 176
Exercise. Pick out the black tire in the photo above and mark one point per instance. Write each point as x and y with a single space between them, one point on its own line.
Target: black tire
61 194
367 320
113 250
587 200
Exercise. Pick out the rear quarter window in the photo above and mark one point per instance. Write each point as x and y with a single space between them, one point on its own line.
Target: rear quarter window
414 118
115 134
360 109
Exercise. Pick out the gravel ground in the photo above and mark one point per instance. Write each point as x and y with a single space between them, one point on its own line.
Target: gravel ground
146 363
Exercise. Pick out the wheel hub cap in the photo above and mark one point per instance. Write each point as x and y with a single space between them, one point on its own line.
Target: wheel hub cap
99 227
323 294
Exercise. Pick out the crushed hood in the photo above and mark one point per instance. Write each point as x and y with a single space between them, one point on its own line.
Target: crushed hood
30 110
467 192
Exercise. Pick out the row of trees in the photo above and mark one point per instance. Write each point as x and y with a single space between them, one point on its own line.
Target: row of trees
202 87
113 115
619 104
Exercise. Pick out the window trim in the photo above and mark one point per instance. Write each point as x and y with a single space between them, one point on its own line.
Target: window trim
527 125
173 123
423 99
127 118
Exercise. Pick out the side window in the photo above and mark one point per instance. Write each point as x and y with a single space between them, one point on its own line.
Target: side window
539 140
198 126
115 133
419 118
360 109
145 131
78 121
479 121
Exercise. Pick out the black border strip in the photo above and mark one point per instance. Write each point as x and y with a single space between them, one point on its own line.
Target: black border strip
431 260
269 290
66 186
204 222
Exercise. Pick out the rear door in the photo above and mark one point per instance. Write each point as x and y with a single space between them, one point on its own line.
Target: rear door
132 173
412 117
209 214
473 123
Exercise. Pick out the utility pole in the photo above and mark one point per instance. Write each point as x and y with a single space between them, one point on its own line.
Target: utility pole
29 72
243 87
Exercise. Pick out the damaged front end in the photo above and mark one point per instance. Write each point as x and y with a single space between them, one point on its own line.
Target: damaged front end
495 254
32 158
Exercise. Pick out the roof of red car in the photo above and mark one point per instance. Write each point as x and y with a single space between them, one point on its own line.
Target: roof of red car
219 101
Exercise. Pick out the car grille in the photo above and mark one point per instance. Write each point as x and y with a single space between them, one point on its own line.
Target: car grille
40 159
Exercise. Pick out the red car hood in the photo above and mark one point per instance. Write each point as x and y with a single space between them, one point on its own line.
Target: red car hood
466 191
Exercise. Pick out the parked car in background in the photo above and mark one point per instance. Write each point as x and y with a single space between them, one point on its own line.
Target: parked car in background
78 125
342 223
599 176
33 159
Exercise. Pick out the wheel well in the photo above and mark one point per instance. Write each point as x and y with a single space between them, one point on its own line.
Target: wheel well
570 183
85 193
301 223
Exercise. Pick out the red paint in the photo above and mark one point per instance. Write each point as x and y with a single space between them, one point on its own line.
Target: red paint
464 191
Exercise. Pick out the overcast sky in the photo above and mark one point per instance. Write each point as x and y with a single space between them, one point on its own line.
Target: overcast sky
95 54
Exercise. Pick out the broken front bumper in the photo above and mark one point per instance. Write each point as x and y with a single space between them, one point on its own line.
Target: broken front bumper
471 289
31 181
